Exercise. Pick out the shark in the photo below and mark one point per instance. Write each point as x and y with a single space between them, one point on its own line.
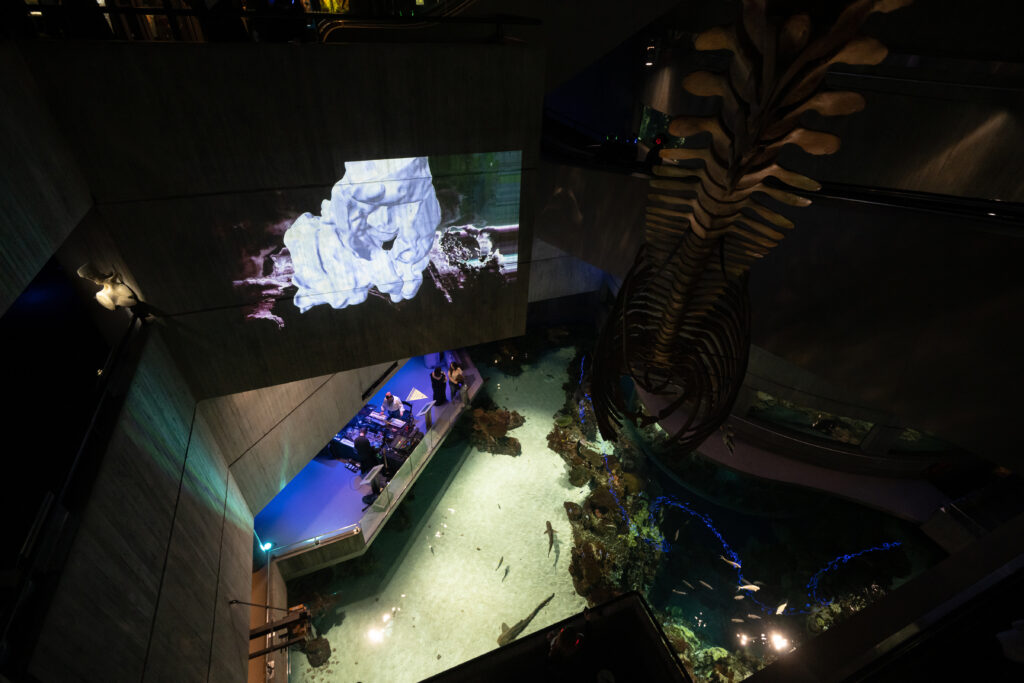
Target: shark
509 633
551 536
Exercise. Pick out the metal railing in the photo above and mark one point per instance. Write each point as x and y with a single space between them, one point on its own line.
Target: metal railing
177 21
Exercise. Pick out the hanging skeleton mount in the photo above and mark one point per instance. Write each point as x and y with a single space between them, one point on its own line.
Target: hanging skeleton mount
680 327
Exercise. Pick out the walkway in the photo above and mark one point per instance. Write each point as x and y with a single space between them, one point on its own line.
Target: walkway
910 499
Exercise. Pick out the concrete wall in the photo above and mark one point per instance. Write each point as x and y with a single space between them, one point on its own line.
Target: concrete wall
934 137
268 435
906 312
43 194
164 543
555 273
187 146
597 216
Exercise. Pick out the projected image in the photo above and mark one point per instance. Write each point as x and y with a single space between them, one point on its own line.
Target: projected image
391 228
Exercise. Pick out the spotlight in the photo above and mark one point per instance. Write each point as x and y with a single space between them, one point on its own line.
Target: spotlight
266 546
375 635
778 642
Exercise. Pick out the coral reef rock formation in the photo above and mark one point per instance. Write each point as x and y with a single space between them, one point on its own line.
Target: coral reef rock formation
718 665
490 431
317 651
608 557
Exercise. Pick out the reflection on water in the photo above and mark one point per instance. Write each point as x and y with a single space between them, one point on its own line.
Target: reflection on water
739 570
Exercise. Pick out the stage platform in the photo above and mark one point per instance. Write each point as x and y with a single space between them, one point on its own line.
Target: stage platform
322 504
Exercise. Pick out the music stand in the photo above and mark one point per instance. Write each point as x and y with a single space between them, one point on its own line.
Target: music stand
427 415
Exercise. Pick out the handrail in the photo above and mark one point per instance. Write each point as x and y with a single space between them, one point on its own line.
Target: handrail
320 539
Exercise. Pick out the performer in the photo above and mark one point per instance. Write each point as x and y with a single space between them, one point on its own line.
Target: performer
437 381
392 406
455 378
367 459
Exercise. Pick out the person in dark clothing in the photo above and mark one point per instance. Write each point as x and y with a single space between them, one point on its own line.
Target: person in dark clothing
366 456
437 382
455 378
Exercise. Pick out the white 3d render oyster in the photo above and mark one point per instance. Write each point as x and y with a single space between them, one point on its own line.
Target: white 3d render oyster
376 230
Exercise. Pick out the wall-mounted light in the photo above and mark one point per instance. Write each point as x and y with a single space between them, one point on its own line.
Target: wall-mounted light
650 53
266 546
115 293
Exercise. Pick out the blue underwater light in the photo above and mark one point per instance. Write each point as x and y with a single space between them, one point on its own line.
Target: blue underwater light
266 546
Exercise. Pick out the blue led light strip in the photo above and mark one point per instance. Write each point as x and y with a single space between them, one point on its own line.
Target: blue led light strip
727 551
812 585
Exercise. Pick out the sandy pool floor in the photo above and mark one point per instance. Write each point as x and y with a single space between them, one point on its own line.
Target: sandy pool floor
444 604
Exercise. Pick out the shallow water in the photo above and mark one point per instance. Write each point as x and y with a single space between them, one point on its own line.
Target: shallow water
440 575
430 593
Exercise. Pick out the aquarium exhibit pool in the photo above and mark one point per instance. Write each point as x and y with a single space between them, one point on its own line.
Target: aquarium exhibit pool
738 570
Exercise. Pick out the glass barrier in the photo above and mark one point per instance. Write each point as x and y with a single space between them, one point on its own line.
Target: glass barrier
920 441
325 537
816 423
391 494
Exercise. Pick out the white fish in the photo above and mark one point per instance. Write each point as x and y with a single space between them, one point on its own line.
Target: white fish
749 587
679 592
676 537
729 562
759 583
753 616
781 608
705 584
739 597
688 584
737 621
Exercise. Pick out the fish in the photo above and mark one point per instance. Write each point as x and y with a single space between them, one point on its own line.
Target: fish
679 592
431 550
749 587
499 506
781 608
499 563
739 597
705 584
759 583
688 584
551 536
508 634
736 621
729 562
753 616
505 575
676 537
